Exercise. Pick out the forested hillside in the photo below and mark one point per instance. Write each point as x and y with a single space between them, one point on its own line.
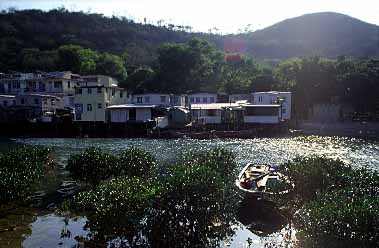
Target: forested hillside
322 34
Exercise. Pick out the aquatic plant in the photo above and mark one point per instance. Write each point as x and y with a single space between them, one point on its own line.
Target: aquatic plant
92 166
20 172
136 162
118 207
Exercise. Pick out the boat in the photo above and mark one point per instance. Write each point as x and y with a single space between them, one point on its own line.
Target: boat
261 180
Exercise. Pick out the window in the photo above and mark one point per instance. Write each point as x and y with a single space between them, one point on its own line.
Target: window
5 103
212 99
205 99
44 101
283 111
113 92
68 84
58 84
99 106
260 99
89 107
121 94
89 90
147 98
98 90
197 99
192 99
36 101
176 99
78 91
139 99
22 101
163 98
53 102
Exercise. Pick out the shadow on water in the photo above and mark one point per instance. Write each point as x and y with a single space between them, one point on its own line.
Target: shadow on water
261 217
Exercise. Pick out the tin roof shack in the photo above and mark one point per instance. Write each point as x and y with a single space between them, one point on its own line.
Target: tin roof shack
261 114
7 100
130 113
178 117
275 97
210 113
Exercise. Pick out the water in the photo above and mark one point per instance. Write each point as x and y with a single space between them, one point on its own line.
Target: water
45 230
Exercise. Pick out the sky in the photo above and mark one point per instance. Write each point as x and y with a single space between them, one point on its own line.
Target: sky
228 16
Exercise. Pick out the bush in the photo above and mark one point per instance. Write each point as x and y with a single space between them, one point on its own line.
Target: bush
314 175
342 218
118 207
136 162
219 159
92 166
20 172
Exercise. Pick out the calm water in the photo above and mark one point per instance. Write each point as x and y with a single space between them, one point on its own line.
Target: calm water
45 230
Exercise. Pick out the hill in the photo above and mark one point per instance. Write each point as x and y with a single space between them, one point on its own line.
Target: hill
324 34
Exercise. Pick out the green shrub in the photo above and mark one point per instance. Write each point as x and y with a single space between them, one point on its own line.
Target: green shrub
92 166
136 162
20 172
220 159
342 218
118 207
192 209
314 175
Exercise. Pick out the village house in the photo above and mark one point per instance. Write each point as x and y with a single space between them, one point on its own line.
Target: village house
60 84
261 114
202 97
126 113
210 113
94 95
159 99
283 99
239 97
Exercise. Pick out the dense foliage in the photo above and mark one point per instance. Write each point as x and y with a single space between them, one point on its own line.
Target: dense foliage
20 172
92 166
190 204
136 162
333 204
353 83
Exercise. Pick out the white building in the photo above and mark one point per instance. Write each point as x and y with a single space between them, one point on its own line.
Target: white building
130 112
239 97
283 99
159 99
94 95
210 113
261 114
152 98
60 84
202 97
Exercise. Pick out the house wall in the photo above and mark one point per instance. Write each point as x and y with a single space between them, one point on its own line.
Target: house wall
202 98
143 114
154 99
263 98
261 119
202 114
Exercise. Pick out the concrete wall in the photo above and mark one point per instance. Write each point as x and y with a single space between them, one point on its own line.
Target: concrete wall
261 119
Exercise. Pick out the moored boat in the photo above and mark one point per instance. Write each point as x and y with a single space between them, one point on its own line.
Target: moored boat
260 180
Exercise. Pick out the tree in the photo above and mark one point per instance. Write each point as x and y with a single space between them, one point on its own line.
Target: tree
77 59
112 65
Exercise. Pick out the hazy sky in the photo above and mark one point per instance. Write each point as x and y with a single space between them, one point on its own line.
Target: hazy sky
226 15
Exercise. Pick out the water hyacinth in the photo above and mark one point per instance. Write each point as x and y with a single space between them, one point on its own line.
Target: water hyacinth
20 172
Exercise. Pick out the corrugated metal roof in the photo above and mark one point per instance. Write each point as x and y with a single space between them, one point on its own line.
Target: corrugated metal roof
213 105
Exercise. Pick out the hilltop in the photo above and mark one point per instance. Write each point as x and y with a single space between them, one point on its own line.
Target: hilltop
323 34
